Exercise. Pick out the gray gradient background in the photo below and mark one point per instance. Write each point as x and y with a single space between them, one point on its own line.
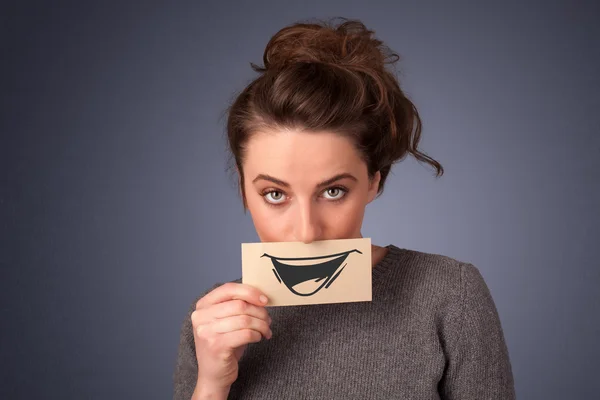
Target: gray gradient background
116 209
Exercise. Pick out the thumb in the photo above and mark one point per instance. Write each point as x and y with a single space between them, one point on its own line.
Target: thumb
239 352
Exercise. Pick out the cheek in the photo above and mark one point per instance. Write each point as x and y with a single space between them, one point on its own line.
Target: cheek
268 222
266 229
347 221
344 220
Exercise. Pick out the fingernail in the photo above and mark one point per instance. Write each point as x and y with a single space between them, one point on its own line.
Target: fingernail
270 335
263 299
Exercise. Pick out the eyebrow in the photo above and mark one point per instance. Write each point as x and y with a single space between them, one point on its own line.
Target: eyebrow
326 182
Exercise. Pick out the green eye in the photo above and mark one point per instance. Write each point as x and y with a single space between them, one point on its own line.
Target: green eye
334 193
274 197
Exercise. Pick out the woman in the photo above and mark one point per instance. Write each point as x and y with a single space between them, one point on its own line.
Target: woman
314 138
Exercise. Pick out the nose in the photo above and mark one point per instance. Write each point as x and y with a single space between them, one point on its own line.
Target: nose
307 227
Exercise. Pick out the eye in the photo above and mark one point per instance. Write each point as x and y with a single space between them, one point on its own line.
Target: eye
274 197
334 193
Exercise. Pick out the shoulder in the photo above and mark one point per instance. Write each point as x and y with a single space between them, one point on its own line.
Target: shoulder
435 275
450 289
432 267
452 296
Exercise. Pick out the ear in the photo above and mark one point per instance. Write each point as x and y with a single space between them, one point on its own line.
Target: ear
373 187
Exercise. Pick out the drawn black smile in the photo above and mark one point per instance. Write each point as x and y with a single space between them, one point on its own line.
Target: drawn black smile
301 278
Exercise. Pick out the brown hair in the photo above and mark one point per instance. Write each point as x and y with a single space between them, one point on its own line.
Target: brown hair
328 77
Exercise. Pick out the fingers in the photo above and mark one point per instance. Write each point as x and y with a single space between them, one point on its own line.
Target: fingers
230 316
239 338
229 309
232 332
241 322
233 291
256 319
225 321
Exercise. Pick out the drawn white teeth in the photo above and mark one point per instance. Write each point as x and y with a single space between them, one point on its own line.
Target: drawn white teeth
305 279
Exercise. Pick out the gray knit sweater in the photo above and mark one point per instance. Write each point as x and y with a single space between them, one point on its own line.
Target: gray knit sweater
432 331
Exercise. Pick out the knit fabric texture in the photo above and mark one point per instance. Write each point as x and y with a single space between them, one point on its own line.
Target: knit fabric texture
431 331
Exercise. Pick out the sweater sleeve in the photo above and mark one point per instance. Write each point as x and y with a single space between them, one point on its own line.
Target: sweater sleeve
186 367
478 366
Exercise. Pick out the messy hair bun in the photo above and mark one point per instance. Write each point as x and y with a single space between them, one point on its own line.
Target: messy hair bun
348 45
331 77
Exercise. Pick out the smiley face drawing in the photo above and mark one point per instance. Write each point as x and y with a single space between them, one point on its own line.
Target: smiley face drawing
303 276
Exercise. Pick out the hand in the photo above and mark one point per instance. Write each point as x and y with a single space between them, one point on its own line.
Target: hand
224 322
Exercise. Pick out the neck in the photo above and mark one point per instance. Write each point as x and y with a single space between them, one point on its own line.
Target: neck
377 254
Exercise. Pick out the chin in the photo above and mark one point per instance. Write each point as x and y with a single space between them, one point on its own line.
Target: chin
272 239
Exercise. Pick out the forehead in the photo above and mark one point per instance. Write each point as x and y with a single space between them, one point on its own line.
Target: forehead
292 152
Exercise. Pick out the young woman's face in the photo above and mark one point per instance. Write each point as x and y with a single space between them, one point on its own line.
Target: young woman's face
305 186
